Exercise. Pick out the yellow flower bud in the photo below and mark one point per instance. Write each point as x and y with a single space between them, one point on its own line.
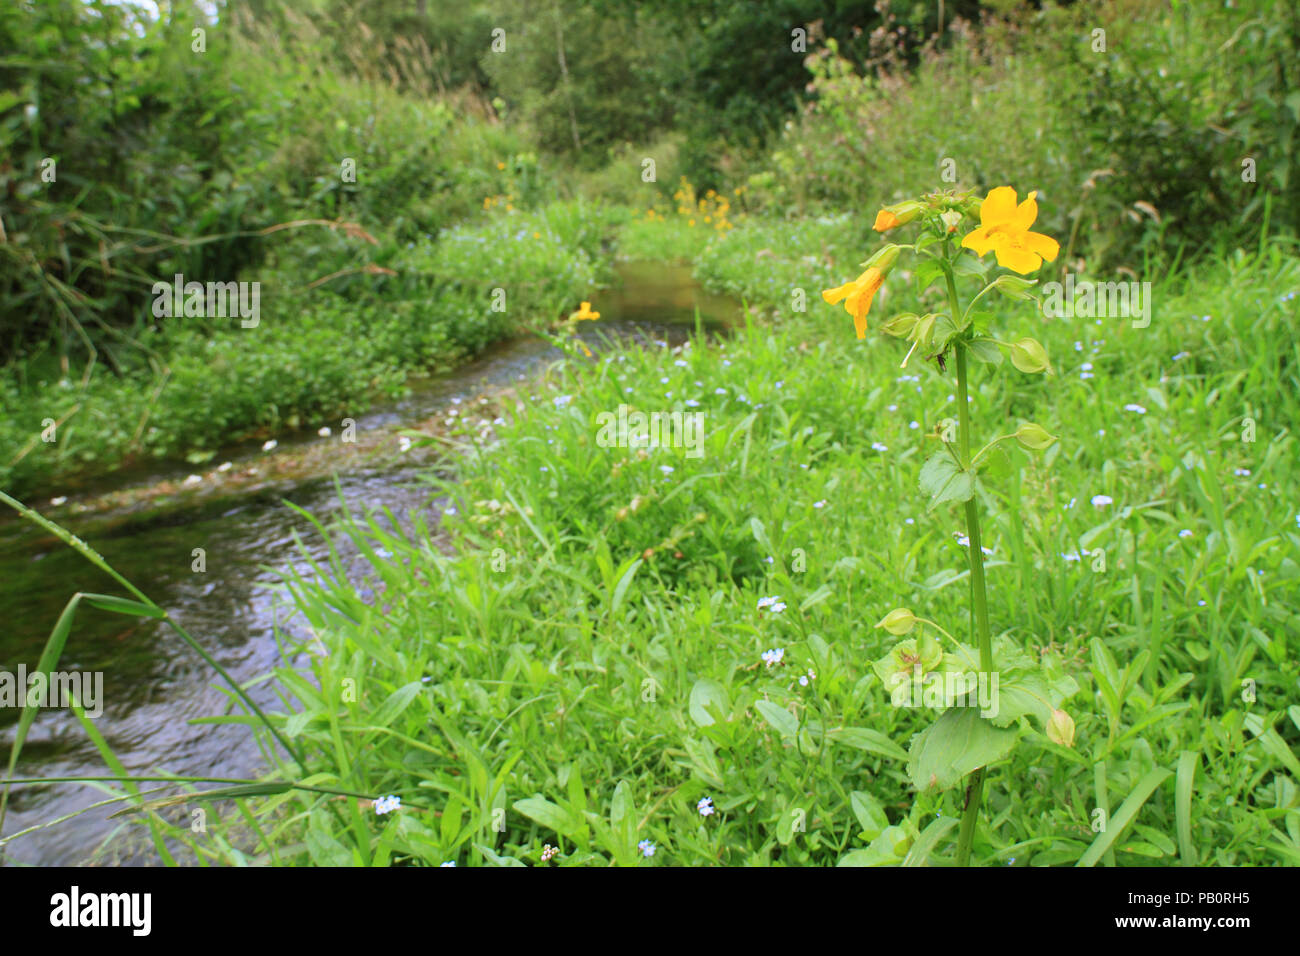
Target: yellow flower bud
900 214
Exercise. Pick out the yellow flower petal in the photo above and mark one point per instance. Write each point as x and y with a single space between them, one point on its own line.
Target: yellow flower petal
832 296
1025 213
998 206
980 240
1042 245
1012 254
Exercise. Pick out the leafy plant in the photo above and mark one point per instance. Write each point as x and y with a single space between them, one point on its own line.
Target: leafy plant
982 692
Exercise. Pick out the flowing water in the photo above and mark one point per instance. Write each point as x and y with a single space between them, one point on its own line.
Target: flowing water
148 525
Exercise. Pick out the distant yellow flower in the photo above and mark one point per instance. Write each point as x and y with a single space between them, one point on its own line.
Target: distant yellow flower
501 165
584 313
857 296
1004 229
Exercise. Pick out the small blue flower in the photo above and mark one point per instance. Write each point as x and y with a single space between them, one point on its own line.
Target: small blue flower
647 848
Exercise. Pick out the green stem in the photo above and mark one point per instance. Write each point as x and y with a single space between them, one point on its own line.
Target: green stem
979 600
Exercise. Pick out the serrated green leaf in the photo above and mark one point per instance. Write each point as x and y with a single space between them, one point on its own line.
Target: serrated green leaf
944 481
956 744
984 350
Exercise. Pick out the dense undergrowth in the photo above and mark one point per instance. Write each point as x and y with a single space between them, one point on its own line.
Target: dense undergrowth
647 657
584 660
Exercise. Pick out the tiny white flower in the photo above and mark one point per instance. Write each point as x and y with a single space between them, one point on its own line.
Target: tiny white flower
192 480
773 656
705 806
820 504
62 499
403 443
225 466
1185 533
647 848
269 444
1133 407
323 431
879 446
1100 501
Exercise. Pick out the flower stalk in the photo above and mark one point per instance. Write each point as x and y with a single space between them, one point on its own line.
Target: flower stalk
953 475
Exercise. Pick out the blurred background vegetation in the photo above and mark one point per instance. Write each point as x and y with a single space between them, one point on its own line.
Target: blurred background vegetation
221 159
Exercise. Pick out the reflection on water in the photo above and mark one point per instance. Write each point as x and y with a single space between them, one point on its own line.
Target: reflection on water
153 683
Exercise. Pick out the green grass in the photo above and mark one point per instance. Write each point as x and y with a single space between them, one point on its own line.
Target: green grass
580 662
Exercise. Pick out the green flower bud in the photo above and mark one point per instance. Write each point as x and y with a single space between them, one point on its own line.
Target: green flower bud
898 621
884 258
1034 437
900 325
1060 729
1029 356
